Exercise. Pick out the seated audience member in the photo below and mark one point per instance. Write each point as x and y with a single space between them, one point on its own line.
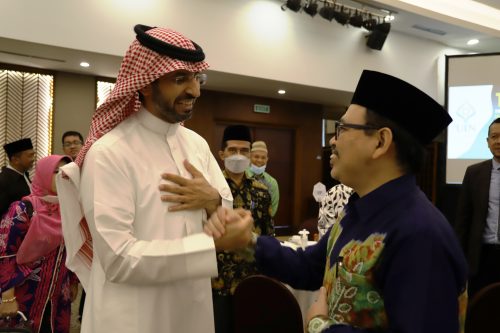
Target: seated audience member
33 277
393 262
259 158
72 142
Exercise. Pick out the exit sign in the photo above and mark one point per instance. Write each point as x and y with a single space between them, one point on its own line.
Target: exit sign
261 108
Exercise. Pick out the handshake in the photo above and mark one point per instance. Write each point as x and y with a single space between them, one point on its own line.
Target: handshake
230 229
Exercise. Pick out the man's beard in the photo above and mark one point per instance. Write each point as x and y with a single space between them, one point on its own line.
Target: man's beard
166 111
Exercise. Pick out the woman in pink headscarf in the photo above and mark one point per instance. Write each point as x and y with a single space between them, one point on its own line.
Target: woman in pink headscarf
33 277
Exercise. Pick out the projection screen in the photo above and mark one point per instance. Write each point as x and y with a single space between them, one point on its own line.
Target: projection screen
473 101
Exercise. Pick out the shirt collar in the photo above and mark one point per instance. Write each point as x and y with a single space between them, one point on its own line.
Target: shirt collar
14 169
495 164
155 124
380 198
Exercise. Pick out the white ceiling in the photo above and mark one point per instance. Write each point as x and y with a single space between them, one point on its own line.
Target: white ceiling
63 59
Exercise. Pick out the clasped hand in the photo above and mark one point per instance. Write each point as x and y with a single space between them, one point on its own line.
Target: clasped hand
231 229
195 193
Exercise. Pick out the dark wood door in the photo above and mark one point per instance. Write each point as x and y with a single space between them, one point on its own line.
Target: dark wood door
280 143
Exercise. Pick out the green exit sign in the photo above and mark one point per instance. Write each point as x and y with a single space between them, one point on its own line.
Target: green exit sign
261 108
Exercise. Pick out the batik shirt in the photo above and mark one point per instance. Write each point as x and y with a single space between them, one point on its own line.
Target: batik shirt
392 264
40 284
271 184
233 267
331 206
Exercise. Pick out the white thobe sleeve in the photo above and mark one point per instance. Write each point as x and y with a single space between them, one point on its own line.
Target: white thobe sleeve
110 211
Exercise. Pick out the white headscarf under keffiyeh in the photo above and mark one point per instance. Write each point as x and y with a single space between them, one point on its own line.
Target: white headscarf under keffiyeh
140 67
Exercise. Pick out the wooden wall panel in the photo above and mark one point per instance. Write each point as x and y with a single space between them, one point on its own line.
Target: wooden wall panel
304 119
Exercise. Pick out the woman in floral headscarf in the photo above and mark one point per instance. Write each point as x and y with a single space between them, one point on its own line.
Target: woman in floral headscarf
33 277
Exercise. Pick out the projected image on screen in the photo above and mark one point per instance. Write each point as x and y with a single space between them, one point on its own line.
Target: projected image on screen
473 101
472 110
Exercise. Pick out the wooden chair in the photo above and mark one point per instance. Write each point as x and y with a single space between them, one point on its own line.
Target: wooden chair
263 304
482 314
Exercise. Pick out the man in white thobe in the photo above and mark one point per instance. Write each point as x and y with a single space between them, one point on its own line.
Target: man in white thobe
147 265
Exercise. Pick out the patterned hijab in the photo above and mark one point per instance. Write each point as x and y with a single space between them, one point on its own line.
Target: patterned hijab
44 233
155 52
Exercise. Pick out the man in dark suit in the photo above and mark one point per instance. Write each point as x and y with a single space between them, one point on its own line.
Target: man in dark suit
14 178
477 222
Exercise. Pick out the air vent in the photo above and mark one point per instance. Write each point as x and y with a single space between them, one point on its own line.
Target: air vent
32 56
431 30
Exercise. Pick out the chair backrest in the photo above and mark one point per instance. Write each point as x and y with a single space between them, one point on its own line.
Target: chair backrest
263 304
483 312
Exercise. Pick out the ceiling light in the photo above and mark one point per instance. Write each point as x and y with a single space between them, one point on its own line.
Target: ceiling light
341 16
369 23
282 91
473 42
327 12
389 18
293 5
356 20
378 36
311 8
84 64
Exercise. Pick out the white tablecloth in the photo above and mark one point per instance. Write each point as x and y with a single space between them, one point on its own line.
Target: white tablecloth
305 298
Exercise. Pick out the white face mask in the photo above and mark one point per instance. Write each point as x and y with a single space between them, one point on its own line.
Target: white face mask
257 170
236 163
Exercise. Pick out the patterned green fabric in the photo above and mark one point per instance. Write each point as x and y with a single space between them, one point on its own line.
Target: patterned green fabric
352 297
233 267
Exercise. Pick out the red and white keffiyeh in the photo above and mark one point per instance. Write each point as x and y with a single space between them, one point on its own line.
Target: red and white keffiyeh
140 67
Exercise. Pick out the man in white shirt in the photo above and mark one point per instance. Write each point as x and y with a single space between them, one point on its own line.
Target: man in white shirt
149 264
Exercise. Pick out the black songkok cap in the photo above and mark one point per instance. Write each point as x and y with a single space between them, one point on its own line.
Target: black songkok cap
402 103
17 146
167 49
236 132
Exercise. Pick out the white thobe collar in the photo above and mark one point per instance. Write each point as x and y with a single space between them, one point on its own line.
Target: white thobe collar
155 124
168 131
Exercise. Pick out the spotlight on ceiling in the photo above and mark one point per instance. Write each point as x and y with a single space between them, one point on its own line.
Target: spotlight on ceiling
327 12
311 8
369 23
357 19
341 16
378 36
293 5
473 42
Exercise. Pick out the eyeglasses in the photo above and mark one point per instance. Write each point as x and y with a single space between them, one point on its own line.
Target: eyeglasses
180 79
72 143
339 127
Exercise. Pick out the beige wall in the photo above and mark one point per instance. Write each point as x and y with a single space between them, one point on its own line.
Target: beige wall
74 104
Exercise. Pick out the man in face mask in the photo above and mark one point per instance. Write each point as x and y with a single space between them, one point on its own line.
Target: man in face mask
249 194
259 158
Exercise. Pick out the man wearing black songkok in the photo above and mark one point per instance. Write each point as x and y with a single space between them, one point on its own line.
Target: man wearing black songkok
393 263
14 178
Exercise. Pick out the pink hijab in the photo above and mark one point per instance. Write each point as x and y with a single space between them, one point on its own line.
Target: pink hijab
45 232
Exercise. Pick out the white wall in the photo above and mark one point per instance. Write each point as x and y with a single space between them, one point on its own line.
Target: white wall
254 38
